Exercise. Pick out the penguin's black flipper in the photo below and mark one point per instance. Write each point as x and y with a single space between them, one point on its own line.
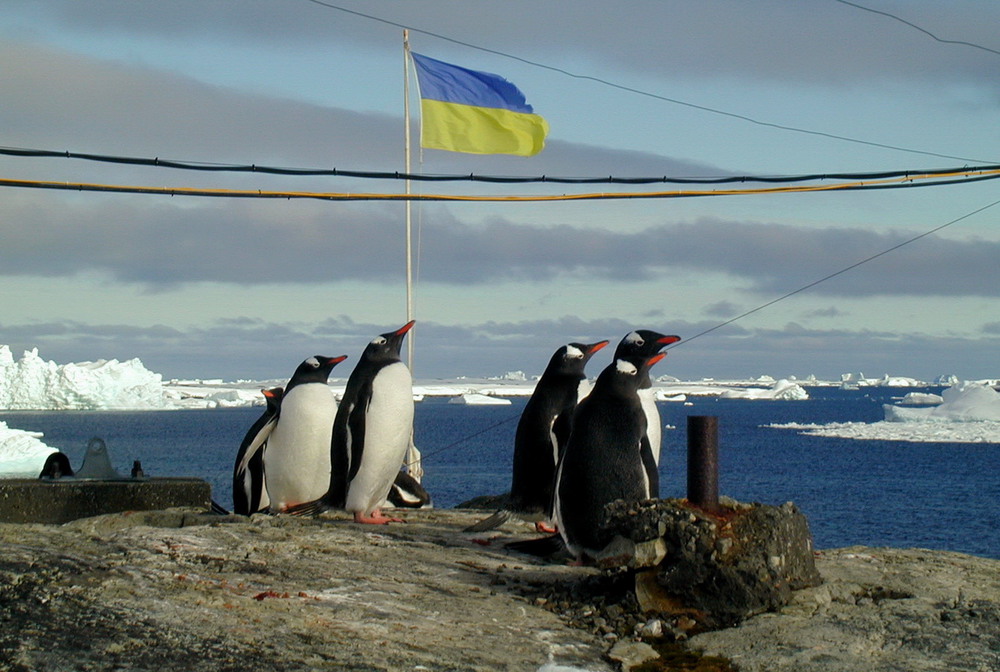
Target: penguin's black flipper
491 523
542 547
218 509
406 492
312 508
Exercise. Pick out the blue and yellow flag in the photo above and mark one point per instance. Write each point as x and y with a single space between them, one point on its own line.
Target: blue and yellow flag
465 110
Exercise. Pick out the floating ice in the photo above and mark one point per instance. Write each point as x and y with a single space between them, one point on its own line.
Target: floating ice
22 453
965 402
781 389
476 399
968 413
34 384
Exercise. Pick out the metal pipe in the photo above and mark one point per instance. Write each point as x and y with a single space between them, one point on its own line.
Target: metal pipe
703 461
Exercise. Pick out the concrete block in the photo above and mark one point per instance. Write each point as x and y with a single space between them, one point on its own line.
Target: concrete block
62 500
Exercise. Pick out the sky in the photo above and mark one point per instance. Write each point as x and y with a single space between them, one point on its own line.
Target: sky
241 288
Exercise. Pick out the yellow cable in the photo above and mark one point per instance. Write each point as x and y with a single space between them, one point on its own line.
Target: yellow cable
365 196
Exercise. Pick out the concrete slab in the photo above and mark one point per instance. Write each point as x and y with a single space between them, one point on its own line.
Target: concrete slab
65 499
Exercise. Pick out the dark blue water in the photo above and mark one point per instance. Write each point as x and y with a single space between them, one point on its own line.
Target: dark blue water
876 493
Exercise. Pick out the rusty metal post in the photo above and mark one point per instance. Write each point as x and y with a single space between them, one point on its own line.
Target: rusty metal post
703 461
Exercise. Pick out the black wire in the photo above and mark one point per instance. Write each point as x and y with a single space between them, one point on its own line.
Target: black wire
640 92
350 196
916 27
834 275
396 175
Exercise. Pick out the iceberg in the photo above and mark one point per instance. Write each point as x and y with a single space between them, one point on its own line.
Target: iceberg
965 402
476 399
781 390
22 453
32 383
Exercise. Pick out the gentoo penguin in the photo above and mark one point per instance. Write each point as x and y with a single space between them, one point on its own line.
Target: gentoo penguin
646 343
407 492
297 459
541 437
249 492
372 430
607 457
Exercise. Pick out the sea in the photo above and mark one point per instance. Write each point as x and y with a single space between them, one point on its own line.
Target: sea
941 495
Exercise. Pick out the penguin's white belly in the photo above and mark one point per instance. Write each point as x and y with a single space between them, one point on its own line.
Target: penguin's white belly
297 458
654 431
388 427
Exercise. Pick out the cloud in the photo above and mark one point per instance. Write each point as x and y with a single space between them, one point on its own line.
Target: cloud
765 40
722 309
168 243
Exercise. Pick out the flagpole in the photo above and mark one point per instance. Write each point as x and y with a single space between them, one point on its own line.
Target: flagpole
413 465
409 204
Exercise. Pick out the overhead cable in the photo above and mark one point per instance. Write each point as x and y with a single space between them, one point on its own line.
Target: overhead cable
472 177
909 181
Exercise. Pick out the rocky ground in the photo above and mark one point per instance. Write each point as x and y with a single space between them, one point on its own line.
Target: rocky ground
176 590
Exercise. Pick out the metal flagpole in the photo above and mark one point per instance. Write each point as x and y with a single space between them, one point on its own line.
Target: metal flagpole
412 454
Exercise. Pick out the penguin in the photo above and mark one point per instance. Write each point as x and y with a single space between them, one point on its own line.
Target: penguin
408 493
541 436
297 458
607 457
646 343
249 491
372 430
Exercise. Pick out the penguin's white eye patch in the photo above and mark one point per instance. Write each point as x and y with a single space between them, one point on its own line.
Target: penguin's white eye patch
626 367
313 362
573 353
635 339
379 341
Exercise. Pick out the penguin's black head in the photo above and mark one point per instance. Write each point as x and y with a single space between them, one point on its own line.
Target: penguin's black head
625 375
273 398
316 369
385 347
571 358
643 343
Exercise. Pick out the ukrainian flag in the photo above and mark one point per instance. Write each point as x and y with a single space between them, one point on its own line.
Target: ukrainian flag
465 110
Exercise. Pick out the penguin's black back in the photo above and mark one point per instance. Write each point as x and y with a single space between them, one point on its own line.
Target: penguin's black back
547 416
603 460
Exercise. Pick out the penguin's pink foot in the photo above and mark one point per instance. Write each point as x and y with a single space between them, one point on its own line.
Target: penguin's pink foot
375 518
546 527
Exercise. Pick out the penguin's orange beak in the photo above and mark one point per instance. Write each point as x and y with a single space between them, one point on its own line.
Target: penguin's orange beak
597 346
667 340
654 359
405 328
337 360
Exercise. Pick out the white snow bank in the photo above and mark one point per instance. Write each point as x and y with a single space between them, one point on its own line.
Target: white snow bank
22 453
475 399
968 413
965 402
782 389
914 432
31 383
921 399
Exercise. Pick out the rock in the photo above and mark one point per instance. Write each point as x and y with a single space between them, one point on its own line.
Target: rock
630 654
177 590
878 610
157 590
715 568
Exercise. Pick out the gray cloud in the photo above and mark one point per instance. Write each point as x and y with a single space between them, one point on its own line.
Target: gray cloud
769 39
170 243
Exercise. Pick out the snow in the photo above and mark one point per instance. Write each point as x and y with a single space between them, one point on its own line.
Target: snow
966 411
476 399
22 454
31 383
